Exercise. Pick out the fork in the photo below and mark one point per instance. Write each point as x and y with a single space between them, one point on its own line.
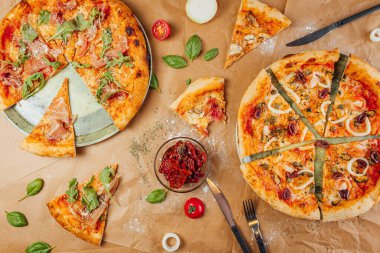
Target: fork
253 222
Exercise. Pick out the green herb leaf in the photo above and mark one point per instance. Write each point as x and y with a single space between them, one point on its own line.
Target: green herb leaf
27 88
39 247
175 61
44 17
33 188
54 64
28 33
78 65
153 82
120 61
104 81
72 192
107 40
64 30
89 197
16 219
156 196
188 82
193 47
105 177
80 23
23 55
211 54
95 14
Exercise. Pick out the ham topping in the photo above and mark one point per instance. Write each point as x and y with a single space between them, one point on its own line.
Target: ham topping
95 61
56 18
38 48
34 65
83 40
70 5
121 47
59 119
9 76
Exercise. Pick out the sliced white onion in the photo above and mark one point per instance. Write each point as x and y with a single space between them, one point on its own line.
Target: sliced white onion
334 197
267 145
323 105
351 162
340 119
367 125
316 80
308 182
375 35
289 77
305 130
343 184
289 169
266 130
201 11
274 110
296 98
165 244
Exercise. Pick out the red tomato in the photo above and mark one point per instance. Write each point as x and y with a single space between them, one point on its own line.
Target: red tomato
194 208
161 29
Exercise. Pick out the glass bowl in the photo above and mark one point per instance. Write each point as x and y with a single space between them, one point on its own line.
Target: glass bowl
187 187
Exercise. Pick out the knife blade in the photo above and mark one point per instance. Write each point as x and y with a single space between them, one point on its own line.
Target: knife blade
226 210
321 32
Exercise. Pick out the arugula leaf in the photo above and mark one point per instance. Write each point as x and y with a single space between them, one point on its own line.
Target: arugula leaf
193 47
44 17
72 192
89 197
107 40
27 88
95 14
28 32
153 82
188 82
120 61
23 56
105 177
78 65
80 23
54 64
104 81
64 30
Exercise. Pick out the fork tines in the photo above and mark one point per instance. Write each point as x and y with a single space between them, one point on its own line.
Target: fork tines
249 209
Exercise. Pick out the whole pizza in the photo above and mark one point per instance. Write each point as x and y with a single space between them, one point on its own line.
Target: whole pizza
308 135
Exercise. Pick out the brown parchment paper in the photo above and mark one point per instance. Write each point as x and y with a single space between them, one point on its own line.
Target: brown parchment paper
137 226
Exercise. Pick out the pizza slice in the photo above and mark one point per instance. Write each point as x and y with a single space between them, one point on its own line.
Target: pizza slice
351 184
356 110
265 120
307 77
286 182
26 60
202 103
82 210
54 134
256 22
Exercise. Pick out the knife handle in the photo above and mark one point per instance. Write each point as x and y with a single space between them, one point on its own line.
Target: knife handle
240 239
357 15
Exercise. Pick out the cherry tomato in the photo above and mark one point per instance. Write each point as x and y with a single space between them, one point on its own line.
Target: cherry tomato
161 29
194 208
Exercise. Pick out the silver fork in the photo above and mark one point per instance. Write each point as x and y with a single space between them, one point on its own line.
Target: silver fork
253 222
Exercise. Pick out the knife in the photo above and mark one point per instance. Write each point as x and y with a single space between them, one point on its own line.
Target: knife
226 210
321 32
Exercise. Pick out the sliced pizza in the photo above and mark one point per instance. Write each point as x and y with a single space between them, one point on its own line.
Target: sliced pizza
26 60
356 110
202 103
307 78
256 22
286 182
351 184
82 210
54 134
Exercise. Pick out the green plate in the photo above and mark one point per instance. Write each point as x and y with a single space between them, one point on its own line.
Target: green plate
93 123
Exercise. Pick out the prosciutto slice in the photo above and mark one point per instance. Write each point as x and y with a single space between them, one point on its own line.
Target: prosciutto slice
9 76
59 118
121 47
34 65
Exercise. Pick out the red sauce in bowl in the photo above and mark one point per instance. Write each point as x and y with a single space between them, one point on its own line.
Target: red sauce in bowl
182 163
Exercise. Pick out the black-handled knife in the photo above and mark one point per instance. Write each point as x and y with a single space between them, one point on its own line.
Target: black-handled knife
321 32
226 210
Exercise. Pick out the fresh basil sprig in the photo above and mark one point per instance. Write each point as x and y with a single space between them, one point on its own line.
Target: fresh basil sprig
175 61
39 247
27 88
153 82
78 65
156 196
119 61
16 219
89 197
107 40
28 32
105 177
72 192
193 47
188 82
211 54
54 64
33 188
44 17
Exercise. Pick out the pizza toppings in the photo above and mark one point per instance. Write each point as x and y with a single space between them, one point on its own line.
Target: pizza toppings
322 144
367 123
320 80
357 167
293 128
285 194
375 156
9 75
28 33
33 84
304 178
323 93
72 192
258 110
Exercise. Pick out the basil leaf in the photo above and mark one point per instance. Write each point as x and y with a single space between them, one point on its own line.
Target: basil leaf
80 23
16 219
106 176
39 247
33 188
64 30
120 61
175 61
107 40
193 47
153 82
54 64
95 14
211 54
44 17
78 65
72 192
27 88
156 196
188 82
89 197
28 33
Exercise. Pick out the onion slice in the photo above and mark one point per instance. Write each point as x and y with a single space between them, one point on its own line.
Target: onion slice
267 145
274 110
375 35
351 162
308 182
367 124
323 105
316 80
201 11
